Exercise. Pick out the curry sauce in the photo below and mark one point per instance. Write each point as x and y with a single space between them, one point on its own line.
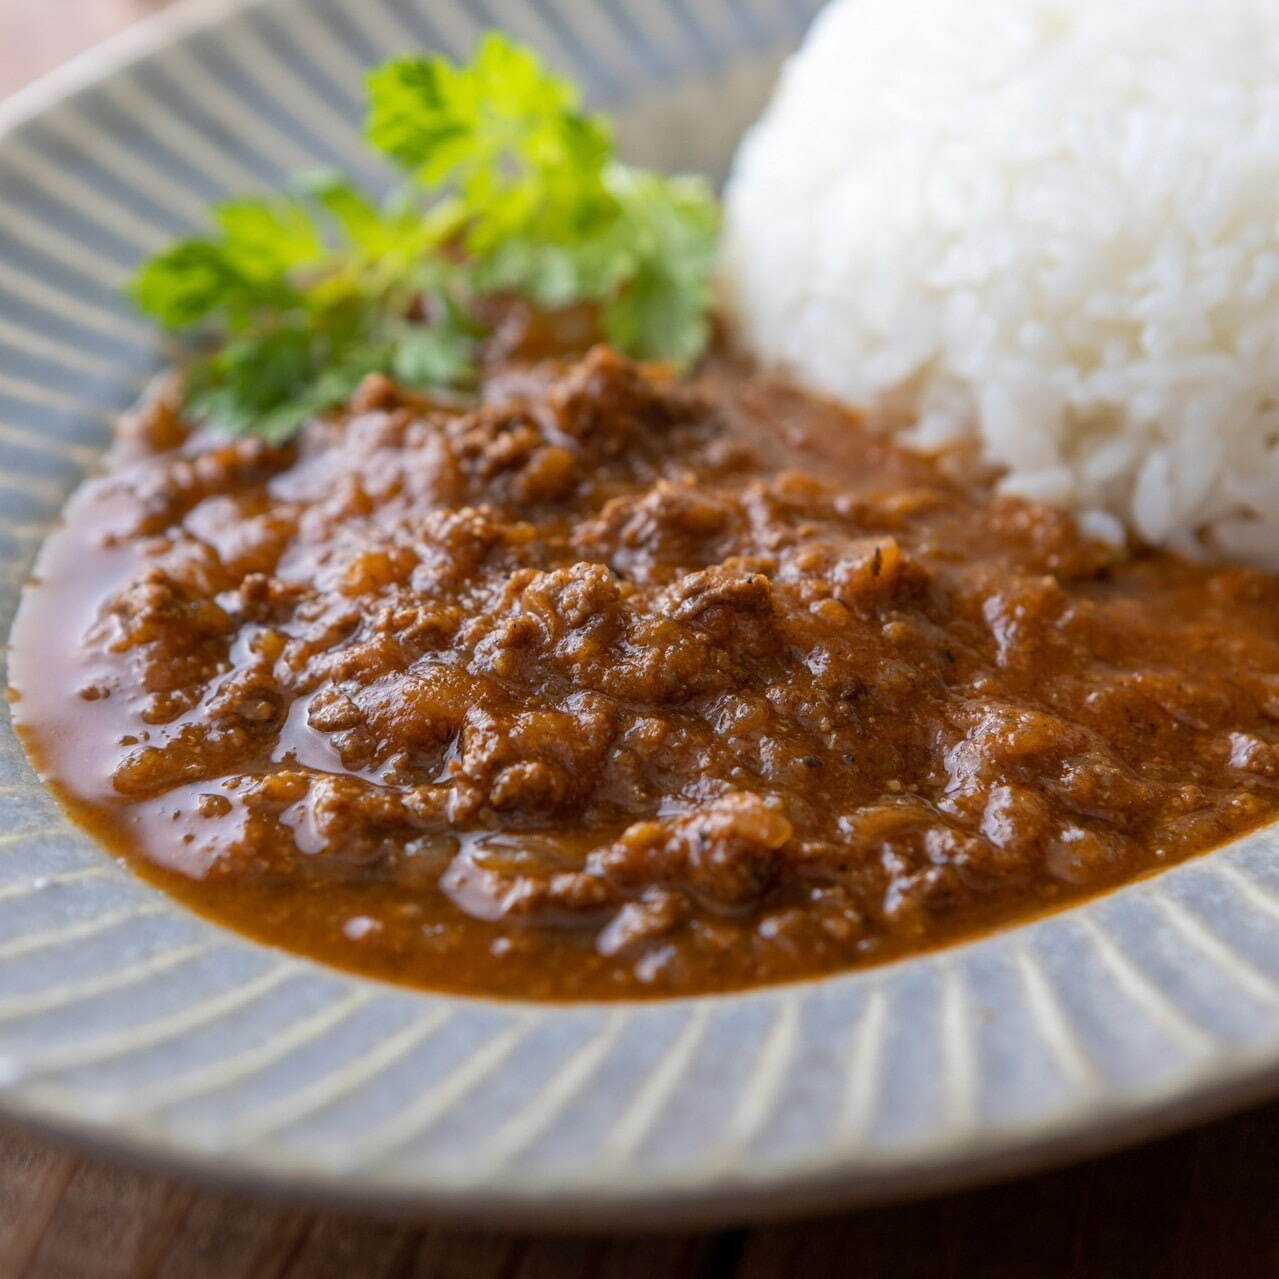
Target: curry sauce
619 684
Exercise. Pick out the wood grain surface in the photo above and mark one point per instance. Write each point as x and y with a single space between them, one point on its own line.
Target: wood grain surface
1198 1206
1204 1205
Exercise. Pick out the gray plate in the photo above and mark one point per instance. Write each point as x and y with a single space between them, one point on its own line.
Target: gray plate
133 1025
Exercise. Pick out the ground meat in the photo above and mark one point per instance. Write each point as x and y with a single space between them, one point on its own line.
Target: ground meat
614 683
724 851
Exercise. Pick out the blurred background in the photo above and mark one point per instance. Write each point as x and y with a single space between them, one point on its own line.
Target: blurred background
38 35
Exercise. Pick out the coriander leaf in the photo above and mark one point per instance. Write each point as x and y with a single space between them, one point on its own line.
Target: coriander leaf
248 267
254 384
267 238
411 118
553 275
655 318
434 356
442 121
513 190
396 229
358 217
671 226
505 135
339 373
186 283
270 384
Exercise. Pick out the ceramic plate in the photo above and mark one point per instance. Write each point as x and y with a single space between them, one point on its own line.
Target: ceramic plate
134 1025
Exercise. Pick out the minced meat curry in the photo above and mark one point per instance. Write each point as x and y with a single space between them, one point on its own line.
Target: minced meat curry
618 684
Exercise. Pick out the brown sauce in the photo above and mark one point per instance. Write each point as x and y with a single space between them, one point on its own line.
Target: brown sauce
618 685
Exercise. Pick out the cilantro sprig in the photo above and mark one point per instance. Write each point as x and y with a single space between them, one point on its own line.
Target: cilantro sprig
511 188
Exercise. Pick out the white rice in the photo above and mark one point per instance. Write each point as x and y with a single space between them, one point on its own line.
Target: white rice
1051 224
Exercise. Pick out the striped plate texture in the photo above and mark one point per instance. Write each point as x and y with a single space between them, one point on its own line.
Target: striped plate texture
129 1023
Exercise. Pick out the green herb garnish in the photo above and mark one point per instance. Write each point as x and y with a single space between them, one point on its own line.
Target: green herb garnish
512 189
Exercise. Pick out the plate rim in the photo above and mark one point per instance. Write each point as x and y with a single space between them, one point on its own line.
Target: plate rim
664 1209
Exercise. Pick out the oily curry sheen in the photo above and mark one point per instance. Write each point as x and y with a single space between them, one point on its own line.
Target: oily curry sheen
619 685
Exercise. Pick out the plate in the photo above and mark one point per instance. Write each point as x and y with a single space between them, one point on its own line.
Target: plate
134 1026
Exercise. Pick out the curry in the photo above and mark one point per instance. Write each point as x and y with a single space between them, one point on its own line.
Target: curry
614 683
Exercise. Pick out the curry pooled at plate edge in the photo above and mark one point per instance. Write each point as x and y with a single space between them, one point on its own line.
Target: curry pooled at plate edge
480 662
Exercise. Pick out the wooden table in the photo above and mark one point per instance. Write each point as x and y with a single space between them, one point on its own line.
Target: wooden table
1204 1205
1199 1206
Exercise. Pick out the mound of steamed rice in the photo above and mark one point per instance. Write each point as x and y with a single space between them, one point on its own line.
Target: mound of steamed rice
1049 225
